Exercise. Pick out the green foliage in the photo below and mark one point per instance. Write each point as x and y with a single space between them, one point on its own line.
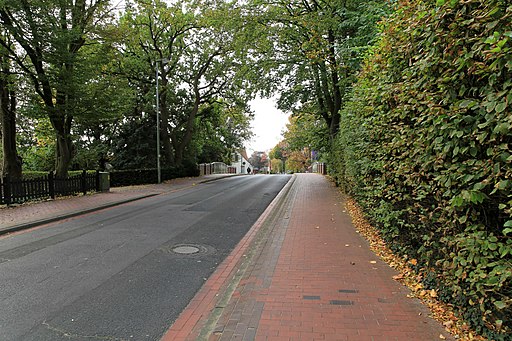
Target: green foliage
148 176
49 53
298 161
314 49
37 144
39 158
305 136
135 143
220 127
203 70
425 145
304 130
89 83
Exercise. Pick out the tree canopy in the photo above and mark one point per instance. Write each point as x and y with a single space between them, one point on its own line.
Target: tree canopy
90 74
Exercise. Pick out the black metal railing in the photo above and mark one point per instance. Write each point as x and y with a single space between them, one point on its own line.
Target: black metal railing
48 186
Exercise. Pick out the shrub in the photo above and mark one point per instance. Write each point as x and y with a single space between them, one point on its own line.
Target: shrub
425 146
148 176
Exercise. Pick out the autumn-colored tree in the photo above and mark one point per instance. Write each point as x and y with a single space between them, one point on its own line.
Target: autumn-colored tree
298 161
276 166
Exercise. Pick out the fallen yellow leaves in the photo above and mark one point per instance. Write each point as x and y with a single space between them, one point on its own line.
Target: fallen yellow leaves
398 277
440 311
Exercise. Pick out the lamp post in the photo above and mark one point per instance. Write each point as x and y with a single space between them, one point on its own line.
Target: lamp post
158 169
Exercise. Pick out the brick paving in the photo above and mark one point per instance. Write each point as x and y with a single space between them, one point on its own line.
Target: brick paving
301 273
306 274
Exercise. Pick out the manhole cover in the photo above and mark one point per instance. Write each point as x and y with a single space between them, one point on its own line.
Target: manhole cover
186 249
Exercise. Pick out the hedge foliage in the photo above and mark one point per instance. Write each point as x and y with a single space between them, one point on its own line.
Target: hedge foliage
132 177
27 175
425 147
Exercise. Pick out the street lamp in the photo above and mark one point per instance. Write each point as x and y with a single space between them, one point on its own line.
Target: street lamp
157 68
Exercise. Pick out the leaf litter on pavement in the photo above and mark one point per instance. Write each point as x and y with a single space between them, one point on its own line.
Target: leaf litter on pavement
440 311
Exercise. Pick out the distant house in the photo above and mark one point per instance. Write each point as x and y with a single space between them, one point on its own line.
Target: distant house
240 162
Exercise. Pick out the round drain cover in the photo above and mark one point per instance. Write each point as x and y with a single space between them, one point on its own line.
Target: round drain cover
186 249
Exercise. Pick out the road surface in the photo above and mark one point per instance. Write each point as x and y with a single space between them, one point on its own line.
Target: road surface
124 273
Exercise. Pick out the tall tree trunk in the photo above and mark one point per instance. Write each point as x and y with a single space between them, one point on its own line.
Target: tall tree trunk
336 91
187 137
11 161
63 154
165 138
321 95
198 99
61 121
189 129
168 150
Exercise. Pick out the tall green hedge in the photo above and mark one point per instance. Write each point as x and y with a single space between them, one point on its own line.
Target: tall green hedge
425 146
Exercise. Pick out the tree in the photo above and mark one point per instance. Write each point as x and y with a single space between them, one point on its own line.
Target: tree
49 37
259 160
134 144
280 152
215 66
200 59
220 132
307 131
305 134
298 161
316 50
11 162
155 34
276 166
105 99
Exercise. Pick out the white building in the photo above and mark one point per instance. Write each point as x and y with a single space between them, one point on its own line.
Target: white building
240 162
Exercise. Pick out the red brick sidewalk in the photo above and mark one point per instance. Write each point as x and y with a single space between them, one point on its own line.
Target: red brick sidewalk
303 273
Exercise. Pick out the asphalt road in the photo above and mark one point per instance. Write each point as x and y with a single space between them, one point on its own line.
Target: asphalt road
114 274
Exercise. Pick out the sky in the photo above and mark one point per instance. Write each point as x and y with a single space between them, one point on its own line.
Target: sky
267 126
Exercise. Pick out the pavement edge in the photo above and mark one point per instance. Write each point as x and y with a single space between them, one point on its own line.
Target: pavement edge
28 225
199 318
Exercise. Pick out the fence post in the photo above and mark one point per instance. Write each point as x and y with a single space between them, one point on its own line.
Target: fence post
51 184
97 180
7 189
83 183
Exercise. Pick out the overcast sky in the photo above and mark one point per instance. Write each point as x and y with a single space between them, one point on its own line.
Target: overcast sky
268 125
